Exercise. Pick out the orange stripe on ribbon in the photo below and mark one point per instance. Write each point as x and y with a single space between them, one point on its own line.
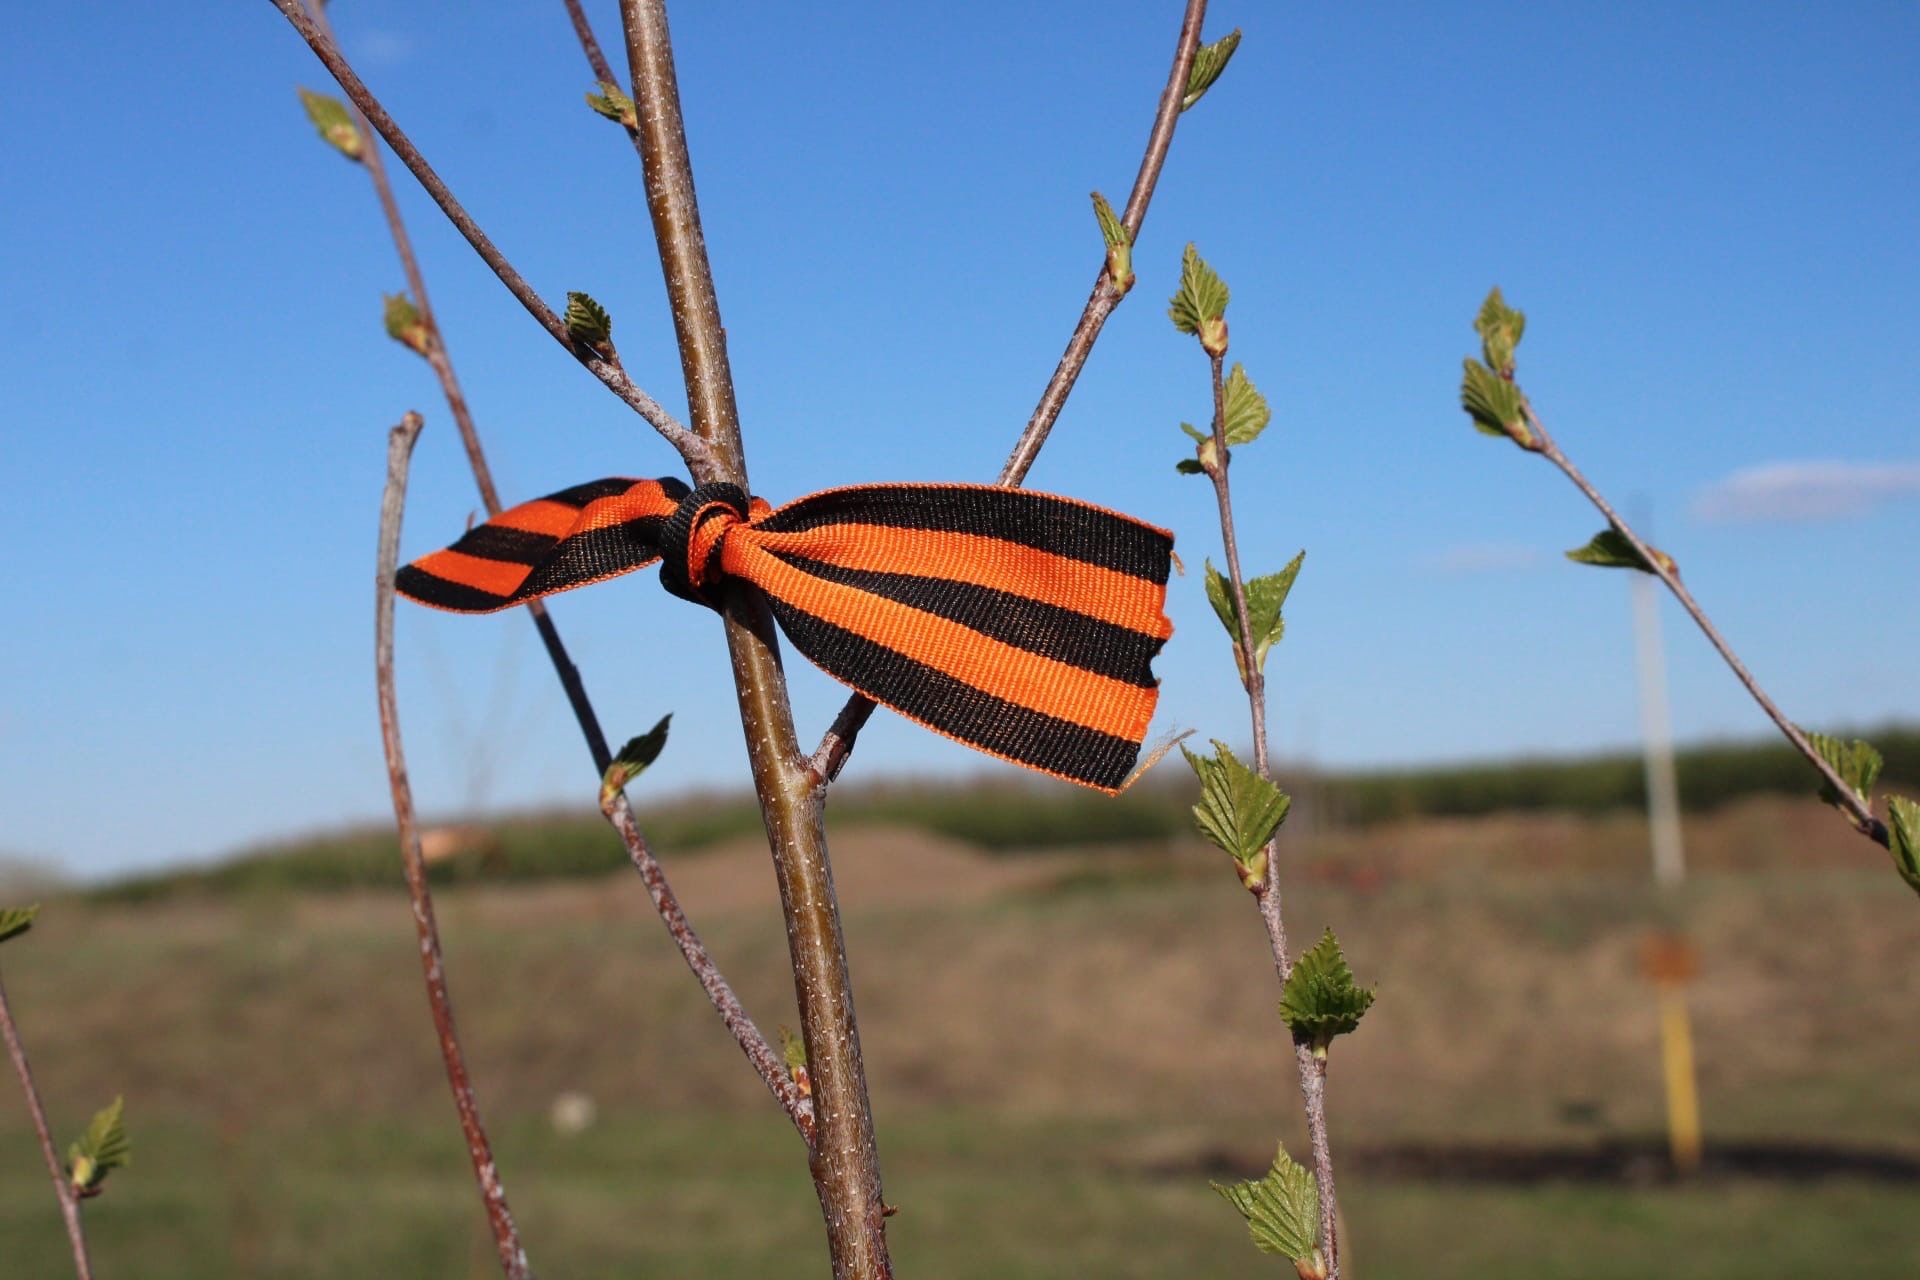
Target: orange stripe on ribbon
1021 624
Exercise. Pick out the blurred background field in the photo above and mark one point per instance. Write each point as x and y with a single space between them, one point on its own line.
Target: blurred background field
1068 1015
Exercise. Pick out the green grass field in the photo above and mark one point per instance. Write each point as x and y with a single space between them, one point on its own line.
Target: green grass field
1063 1050
981 1196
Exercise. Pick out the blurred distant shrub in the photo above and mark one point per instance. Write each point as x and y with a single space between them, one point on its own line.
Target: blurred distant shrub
1014 816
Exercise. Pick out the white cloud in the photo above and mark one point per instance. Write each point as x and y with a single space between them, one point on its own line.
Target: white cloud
1481 557
382 47
1801 491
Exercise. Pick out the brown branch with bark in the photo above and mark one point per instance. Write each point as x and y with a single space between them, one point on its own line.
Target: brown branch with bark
506 1238
779 1082
597 62
62 1188
619 814
843 1158
606 368
1312 1067
1857 811
441 362
837 744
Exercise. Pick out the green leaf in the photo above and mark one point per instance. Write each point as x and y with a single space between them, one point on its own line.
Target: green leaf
1494 404
793 1050
335 123
1857 763
1112 230
1903 838
1239 810
589 324
1204 452
1243 409
614 105
1609 549
1320 1000
404 324
1209 60
100 1150
1119 244
1220 596
1499 327
1200 306
15 921
633 760
1282 1209
1266 597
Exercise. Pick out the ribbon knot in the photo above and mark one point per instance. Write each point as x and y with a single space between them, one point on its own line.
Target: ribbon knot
691 538
1021 624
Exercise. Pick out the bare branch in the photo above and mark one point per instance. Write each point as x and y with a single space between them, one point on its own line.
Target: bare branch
602 70
62 1188
1856 810
837 744
1312 1069
596 60
513 1258
844 1162
1103 300
773 1071
692 450
752 1043
441 361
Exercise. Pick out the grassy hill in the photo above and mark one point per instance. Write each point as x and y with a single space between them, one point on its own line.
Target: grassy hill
1010 814
1063 1050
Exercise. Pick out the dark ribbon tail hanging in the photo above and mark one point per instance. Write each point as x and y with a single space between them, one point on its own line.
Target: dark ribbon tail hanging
1021 624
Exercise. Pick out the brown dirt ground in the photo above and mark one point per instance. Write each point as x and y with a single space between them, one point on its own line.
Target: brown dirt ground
1100 982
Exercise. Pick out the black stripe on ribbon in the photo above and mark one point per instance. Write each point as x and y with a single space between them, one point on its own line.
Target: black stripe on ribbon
1041 521
976 718
1065 635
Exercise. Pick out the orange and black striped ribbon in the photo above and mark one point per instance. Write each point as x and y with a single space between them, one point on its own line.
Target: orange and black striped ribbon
1019 623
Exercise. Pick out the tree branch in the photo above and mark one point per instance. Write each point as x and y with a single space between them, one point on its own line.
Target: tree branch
666 903
1105 297
844 1163
837 744
513 1258
692 450
597 61
441 362
1857 812
62 1189
1312 1069
772 1070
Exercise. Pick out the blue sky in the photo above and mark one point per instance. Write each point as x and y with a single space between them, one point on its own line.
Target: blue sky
1708 212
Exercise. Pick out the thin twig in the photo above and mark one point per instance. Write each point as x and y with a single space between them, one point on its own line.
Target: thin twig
666 903
1104 298
513 1258
597 61
837 743
766 1062
1857 812
609 371
62 1188
441 362
843 1159
752 1043
1312 1068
